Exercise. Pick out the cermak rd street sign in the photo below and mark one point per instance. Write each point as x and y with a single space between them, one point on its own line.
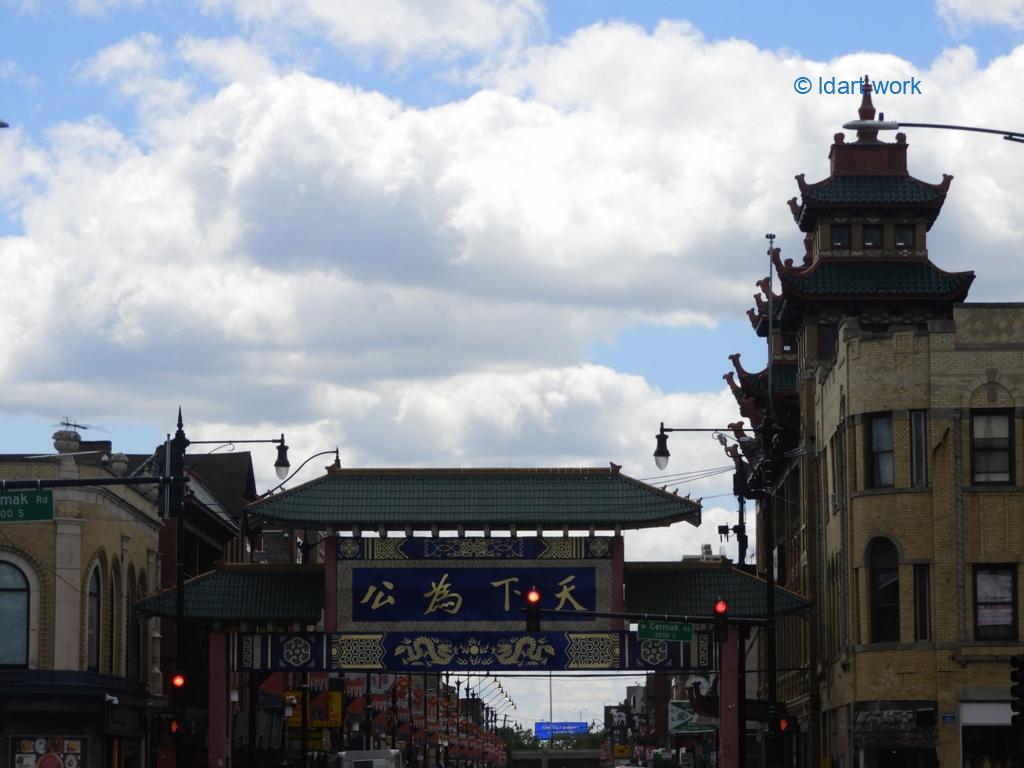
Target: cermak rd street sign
26 506
664 630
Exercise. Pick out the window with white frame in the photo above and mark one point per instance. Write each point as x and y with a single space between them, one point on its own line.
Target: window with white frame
14 610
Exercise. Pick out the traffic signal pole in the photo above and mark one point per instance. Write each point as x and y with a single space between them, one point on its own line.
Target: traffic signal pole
730 722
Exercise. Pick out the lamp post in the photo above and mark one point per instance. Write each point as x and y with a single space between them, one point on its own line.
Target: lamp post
768 432
173 459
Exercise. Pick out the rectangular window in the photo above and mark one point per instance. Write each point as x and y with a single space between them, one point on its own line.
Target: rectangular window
880 472
904 237
995 598
828 340
872 237
922 608
840 236
919 449
885 607
991 448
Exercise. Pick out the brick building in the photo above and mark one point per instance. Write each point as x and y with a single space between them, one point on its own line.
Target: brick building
76 662
898 505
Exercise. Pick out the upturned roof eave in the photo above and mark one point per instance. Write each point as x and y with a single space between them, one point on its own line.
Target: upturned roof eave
605 521
434 512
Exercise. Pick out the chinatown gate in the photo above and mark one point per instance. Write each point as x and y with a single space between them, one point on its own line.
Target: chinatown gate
397 600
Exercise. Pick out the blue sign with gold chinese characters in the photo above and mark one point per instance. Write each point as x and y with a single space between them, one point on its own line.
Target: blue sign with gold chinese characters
475 584
469 594
440 651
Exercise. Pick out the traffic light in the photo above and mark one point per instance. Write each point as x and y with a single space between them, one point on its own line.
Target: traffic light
786 725
1017 689
178 681
532 599
721 615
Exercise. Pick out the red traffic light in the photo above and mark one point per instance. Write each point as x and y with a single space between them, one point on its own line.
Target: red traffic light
175 726
783 724
533 596
178 681
721 607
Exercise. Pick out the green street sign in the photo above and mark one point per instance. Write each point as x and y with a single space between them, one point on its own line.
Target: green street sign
25 506
664 630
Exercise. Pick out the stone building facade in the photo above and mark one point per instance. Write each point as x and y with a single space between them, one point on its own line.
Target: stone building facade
76 660
923 539
897 495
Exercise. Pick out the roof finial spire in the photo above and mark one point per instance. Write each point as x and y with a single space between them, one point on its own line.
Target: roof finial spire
866 111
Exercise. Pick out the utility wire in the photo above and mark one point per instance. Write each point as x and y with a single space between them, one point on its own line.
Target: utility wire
688 472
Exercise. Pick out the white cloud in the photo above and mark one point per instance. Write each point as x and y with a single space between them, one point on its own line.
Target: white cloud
10 72
227 60
101 7
136 67
422 286
399 30
292 235
968 12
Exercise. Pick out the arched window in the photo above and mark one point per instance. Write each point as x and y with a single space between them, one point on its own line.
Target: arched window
92 652
131 667
14 610
113 626
883 562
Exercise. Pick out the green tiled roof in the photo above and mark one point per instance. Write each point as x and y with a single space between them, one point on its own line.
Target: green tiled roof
783 379
691 588
247 593
883 190
447 498
912 277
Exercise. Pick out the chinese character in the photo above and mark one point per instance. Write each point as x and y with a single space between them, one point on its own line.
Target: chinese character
441 598
380 598
564 595
507 584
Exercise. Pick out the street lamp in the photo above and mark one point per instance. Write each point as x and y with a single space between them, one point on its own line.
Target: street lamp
173 460
661 453
881 124
768 432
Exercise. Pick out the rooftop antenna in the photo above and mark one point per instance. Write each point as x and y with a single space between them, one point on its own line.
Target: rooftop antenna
68 423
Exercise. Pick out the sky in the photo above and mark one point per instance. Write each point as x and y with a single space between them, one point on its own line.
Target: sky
456 232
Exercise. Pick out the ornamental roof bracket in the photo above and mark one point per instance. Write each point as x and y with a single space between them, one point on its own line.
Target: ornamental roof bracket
735 358
765 285
737 430
794 207
730 379
780 265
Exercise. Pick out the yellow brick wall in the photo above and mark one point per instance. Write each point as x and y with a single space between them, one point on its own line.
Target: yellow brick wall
980 365
119 527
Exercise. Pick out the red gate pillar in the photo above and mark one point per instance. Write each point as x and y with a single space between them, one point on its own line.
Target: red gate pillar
220 717
331 584
730 728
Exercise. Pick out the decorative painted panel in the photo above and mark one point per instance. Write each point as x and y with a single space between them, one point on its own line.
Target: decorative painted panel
440 651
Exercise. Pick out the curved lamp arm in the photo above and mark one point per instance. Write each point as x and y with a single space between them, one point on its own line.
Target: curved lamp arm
337 465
